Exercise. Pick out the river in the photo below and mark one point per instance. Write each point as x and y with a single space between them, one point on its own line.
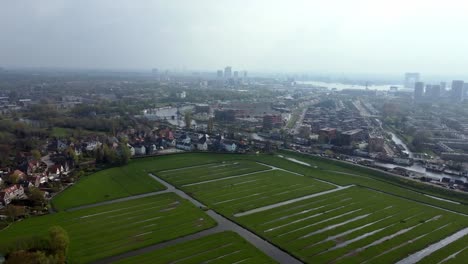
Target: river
342 86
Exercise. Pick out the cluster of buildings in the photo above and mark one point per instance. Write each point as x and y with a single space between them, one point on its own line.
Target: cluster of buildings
438 92
336 124
31 173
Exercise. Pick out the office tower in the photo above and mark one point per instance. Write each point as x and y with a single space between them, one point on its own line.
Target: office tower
411 78
457 93
436 91
219 74
236 74
418 91
228 72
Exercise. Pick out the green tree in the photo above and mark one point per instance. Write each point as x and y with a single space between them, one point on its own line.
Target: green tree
36 154
59 242
12 212
26 257
36 196
123 154
13 178
210 125
188 119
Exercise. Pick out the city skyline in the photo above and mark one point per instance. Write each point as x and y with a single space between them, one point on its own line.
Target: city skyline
304 36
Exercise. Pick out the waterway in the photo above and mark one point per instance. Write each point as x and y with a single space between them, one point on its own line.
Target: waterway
417 167
342 86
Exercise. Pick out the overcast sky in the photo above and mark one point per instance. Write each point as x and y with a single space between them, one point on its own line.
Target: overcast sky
355 36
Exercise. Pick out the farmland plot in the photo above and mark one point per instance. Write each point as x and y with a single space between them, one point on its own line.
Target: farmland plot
244 191
225 247
356 225
211 171
108 230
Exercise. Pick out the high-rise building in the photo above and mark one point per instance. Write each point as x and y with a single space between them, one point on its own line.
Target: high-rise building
418 91
443 86
457 92
428 91
411 78
219 74
236 74
245 74
228 72
465 91
436 91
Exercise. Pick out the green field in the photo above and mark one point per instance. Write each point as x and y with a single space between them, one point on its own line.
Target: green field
108 230
456 252
237 194
225 247
107 184
210 171
381 220
345 174
65 133
125 181
133 178
60 132
355 225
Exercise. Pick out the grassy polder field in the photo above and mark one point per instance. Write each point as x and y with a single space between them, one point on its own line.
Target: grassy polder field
232 184
355 225
454 253
210 171
133 179
109 230
232 194
225 247
119 182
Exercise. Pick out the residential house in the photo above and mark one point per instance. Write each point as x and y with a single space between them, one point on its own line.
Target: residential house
202 143
93 145
57 145
57 170
132 150
140 149
184 142
229 145
13 192
153 149
33 165
37 179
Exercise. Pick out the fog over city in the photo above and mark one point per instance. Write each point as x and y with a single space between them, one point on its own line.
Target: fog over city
363 36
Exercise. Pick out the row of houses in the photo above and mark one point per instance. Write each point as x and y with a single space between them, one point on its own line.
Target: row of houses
203 142
13 192
189 141
35 177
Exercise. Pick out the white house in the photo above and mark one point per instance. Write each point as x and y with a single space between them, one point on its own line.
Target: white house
92 145
229 146
132 150
184 142
140 150
10 193
202 143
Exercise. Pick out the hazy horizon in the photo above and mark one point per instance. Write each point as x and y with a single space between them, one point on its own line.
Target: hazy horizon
380 37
